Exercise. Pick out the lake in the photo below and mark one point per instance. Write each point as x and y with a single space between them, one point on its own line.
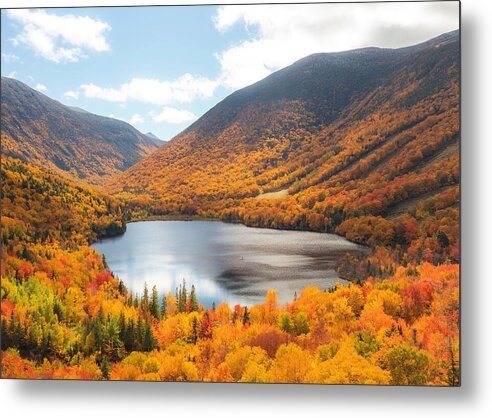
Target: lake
224 261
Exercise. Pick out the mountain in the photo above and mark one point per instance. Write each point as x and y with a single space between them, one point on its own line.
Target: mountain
156 140
78 109
334 136
66 140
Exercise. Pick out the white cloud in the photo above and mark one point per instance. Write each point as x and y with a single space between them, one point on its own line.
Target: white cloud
59 38
9 58
136 119
95 92
282 34
172 115
71 94
185 89
41 87
12 74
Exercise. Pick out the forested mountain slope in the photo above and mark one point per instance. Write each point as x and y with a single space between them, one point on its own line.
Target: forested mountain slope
65 140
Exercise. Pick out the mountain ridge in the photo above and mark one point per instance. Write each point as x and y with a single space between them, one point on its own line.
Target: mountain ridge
67 141
245 121
254 89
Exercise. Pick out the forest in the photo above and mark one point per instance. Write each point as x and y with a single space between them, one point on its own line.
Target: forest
65 316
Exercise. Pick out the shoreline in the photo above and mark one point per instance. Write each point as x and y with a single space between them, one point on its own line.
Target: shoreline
190 218
175 217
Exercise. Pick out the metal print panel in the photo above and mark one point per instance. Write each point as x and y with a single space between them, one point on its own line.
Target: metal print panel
243 193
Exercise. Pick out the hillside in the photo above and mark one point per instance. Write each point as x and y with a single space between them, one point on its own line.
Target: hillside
351 142
65 316
66 140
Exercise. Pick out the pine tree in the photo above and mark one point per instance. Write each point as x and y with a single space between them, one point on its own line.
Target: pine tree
5 334
104 263
98 330
148 337
193 299
182 297
154 304
139 334
122 327
130 337
145 298
112 344
105 368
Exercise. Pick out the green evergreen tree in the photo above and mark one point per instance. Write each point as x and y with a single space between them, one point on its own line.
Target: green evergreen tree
122 327
5 337
193 299
130 336
139 334
105 368
154 304
105 264
112 344
182 297
145 298
148 343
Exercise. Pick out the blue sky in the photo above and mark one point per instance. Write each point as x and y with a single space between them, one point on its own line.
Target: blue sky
160 68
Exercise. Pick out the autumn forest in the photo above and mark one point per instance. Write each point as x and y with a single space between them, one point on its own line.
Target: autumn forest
364 144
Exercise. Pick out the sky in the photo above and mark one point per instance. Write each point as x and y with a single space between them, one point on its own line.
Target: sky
161 68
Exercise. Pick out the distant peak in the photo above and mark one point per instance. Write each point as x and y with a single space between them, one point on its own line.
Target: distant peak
155 137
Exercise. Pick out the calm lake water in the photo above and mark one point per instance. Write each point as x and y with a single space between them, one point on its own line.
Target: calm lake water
224 261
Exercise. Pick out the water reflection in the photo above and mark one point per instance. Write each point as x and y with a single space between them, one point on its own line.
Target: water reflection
224 261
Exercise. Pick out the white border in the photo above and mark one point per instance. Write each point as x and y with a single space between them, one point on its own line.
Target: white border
145 400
